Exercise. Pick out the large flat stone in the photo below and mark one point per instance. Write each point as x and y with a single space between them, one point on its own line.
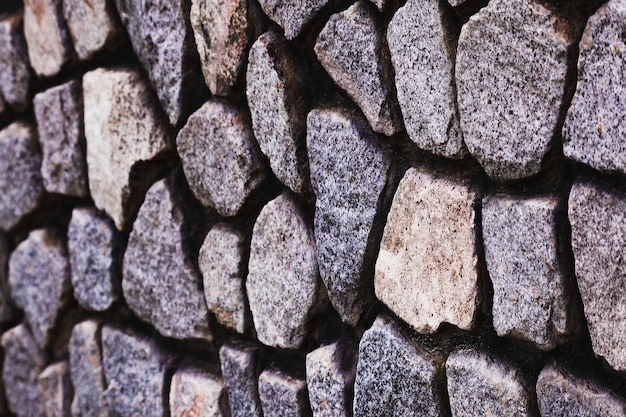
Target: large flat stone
283 395
93 26
57 389
15 70
240 363
196 392
292 16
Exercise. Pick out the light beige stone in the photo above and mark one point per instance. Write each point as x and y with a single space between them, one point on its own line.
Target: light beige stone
57 389
195 392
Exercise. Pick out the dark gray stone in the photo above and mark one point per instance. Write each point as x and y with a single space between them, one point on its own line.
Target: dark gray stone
93 26
14 64
240 364
57 389
7 310
292 16
283 395
197 392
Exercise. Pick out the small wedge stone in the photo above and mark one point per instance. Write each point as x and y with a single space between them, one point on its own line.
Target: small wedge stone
283 395
93 26
15 73
292 16
195 392
57 389
240 362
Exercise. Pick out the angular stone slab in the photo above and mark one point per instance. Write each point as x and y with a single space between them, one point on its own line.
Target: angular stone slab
196 392
21 184
93 26
350 49
122 128
395 376
220 29
426 271
522 254
512 65
482 385
348 172
39 279
283 395
160 283
7 311
276 90
15 70
592 133
240 363
292 16
422 42
220 157
57 389
59 113
283 283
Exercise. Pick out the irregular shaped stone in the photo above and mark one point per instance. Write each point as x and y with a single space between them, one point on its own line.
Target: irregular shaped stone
292 16
592 134
283 284
21 185
93 26
220 157
481 385
23 362
529 287
14 64
135 369
240 364
47 37
7 312
196 392
276 92
512 65
123 129
560 394
598 223
220 28
39 279
348 173
86 371
59 113
350 49
283 395
95 258
422 42
395 376
160 282
426 271
57 389
222 262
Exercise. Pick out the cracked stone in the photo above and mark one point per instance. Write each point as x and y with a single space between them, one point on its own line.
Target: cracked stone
292 16
57 389
196 392
93 26
283 395
15 73
240 363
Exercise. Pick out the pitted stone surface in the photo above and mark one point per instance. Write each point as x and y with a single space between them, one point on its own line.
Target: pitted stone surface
592 133
350 49
20 173
7 312
122 129
422 42
39 279
220 157
276 92
510 73
348 173
93 26
220 28
521 250
426 271
283 284
395 376
222 262
14 63
598 223
195 392
292 16
57 389
240 364
59 113
160 283
283 395
481 385
95 257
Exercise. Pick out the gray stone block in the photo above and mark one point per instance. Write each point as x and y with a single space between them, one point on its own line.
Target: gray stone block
15 70
292 16
93 26
350 49
348 172
240 364
57 389
283 395
196 392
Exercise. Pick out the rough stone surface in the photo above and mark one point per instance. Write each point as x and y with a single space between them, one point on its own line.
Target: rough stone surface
283 283
481 385
47 37
395 376
160 282
86 371
529 300
57 389
511 65
14 64
93 26
20 176
220 28
7 312
220 157
276 93
348 173
23 361
122 129
59 113
560 394
592 133
222 262
95 257
598 223
422 43
292 16
195 392
240 363
426 271
135 370
39 279
350 49
283 395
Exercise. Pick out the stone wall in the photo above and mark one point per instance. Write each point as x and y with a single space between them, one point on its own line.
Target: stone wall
320 207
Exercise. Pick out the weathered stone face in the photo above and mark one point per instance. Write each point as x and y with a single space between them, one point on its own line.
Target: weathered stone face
240 362
292 16
282 395
195 392
57 389
14 63
93 26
